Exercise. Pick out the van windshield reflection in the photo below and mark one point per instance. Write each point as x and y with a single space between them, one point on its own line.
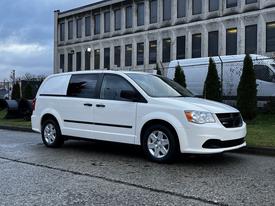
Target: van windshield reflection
157 86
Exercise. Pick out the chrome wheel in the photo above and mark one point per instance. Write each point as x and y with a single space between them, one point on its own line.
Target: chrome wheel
50 133
158 144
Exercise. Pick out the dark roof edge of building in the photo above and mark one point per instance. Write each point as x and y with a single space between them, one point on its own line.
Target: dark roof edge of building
85 6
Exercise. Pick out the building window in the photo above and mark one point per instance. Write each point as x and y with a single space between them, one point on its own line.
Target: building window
87 60
117 56
97 24
270 37
107 58
153 11
117 19
197 7
251 39
78 28
88 26
214 5
231 41
166 10
181 47
140 14
250 1
62 32
152 52
107 22
128 55
70 62
166 50
61 62
196 45
70 29
213 43
97 59
129 17
140 53
231 3
181 8
78 61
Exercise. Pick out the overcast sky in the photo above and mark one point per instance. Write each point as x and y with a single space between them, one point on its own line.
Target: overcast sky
26 34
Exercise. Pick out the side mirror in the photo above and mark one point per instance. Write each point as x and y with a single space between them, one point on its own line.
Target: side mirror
129 95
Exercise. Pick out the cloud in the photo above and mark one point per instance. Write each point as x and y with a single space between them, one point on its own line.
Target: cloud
33 57
19 49
26 34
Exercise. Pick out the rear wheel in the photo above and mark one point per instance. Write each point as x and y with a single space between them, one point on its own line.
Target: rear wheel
51 134
160 144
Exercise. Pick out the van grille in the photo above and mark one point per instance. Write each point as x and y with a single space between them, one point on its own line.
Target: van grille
230 120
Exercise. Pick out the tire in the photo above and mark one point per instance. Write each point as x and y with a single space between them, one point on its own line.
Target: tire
51 134
156 138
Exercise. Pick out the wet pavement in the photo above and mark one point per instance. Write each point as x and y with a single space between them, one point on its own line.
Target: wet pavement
89 173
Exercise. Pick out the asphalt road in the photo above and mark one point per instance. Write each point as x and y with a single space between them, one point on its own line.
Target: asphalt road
88 173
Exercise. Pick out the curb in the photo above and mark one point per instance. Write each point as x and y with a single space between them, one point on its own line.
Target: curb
268 151
19 129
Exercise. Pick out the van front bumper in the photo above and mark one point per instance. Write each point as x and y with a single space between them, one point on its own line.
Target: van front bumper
211 138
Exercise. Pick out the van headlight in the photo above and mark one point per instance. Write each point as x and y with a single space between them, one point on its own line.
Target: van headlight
199 117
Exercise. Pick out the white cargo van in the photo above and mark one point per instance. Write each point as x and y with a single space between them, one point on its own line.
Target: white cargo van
134 108
196 71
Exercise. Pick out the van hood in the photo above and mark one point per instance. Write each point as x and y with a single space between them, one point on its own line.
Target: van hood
192 103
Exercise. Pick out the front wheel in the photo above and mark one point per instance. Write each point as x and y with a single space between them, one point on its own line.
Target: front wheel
160 144
51 134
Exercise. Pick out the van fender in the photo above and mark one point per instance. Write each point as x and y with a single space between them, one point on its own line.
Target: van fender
53 113
173 121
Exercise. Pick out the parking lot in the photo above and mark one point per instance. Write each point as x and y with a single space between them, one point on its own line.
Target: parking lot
89 173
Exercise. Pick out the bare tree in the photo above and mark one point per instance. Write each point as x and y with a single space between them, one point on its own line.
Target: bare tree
32 77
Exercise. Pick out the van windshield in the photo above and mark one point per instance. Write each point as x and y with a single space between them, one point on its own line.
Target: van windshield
158 86
264 73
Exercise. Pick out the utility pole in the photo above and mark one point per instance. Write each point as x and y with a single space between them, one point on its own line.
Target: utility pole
13 83
13 76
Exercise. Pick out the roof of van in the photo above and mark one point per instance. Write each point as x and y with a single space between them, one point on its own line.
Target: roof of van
217 59
100 71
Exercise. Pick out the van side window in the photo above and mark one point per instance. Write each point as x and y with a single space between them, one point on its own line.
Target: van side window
83 86
263 73
112 85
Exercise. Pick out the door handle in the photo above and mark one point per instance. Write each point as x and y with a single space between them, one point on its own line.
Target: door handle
100 105
88 105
